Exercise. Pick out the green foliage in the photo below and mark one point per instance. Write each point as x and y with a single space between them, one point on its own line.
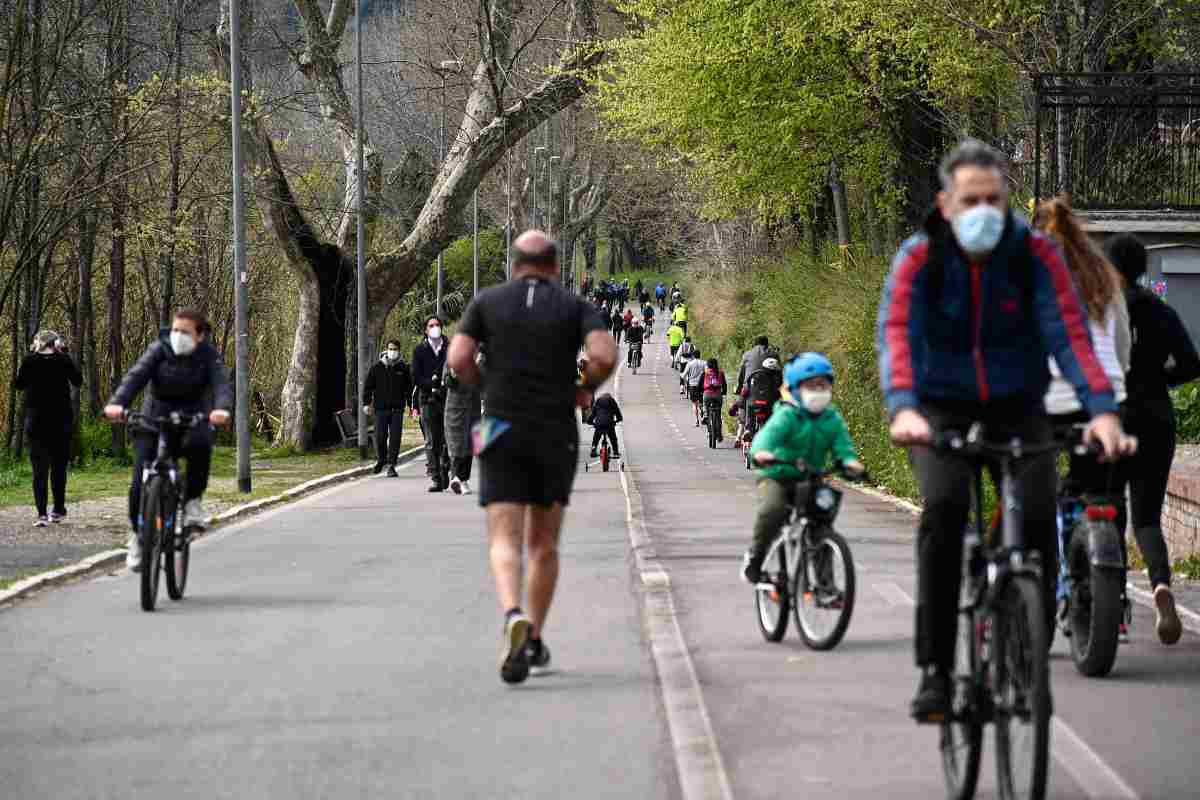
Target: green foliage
1187 411
827 304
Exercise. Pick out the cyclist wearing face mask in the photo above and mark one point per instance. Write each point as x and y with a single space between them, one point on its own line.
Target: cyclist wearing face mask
973 307
803 426
388 386
184 373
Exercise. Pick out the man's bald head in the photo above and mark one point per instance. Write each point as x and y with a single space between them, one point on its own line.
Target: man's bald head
535 250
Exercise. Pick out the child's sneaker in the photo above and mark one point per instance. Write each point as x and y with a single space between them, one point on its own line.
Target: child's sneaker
751 568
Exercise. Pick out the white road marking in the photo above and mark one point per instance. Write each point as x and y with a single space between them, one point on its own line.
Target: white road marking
892 593
1097 779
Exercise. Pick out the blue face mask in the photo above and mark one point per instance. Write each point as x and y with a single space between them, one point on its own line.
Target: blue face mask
978 230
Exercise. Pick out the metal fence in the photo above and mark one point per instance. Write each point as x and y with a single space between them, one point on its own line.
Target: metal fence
1128 141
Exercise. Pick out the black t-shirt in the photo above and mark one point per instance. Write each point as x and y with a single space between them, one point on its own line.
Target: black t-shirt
533 329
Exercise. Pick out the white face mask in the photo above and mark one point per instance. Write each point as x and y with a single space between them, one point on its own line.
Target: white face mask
393 356
979 229
182 343
815 401
435 332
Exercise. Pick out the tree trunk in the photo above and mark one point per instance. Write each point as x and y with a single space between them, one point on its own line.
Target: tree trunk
167 267
841 212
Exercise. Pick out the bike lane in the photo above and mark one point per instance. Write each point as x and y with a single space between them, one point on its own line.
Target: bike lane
344 646
835 724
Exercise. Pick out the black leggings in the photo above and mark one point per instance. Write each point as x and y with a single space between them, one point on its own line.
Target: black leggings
1148 473
606 430
198 453
48 455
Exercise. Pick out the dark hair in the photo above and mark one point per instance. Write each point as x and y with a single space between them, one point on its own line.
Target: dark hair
970 153
712 362
695 352
392 343
195 317
761 341
1128 255
433 318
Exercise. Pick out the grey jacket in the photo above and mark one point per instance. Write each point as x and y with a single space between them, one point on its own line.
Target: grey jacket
462 411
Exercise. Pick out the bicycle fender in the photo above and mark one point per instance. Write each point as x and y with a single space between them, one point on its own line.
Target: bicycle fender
1104 545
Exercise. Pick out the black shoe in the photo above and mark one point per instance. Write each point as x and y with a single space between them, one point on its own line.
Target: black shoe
932 703
751 568
436 486
615 454
539 657
378 468
391 473
514 655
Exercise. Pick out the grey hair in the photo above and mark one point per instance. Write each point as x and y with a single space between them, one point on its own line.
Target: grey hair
970 152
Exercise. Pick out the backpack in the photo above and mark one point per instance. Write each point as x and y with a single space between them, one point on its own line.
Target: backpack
764 384
712 381
685 349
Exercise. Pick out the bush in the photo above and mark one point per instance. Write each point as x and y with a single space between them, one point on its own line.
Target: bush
1187 410
828 304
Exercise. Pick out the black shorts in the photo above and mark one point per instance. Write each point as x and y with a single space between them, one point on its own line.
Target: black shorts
530 465
696 393
674 350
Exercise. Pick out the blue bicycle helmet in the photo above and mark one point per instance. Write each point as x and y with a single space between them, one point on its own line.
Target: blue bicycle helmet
805 366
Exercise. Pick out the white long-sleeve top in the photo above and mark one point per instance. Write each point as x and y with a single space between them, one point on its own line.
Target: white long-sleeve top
1111 340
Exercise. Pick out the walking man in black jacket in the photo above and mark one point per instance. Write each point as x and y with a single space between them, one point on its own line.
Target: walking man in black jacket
388 385
46 376
428 360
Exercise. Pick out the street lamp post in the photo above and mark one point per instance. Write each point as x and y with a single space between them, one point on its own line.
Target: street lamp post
443 69
360 234
241 278
550 228
537 214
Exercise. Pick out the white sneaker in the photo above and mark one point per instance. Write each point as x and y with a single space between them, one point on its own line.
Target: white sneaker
456 485
466 487
133 559
193 514
41 522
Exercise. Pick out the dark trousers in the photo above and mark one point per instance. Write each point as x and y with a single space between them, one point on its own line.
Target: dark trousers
48 455
198 453
616 331
945 481
609 431
433 423
389 429
1148 472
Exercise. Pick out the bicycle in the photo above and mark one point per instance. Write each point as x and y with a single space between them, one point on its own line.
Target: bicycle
712 421
1091 579
1001 672
605 459
635 356
648 324
166 544
808 569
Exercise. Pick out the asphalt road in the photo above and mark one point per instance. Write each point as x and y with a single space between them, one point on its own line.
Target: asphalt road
345 646
790 721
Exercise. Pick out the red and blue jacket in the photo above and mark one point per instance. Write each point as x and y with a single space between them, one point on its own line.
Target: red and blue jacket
977 333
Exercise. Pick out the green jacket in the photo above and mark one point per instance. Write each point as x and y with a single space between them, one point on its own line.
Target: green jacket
793 433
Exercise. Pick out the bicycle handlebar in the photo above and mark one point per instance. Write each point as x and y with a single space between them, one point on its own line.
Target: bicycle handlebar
174 419
973 444
803 466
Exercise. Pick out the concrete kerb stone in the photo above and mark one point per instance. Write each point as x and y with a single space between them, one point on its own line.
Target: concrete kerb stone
111 558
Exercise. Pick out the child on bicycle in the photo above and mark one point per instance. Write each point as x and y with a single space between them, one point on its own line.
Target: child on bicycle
605 415
185 374
804 426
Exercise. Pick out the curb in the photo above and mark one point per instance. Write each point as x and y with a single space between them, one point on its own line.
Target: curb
111 558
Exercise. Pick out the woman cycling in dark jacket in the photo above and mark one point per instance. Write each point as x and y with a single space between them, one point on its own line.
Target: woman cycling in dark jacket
1163 356
185 374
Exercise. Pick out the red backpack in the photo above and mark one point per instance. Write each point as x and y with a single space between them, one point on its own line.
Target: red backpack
712 381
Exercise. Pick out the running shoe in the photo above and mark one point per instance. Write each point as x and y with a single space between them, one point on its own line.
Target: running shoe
751 568
456 485
391 472
58 516
41 521
193 515
539 657
514 656
1167 623
378 468
466 487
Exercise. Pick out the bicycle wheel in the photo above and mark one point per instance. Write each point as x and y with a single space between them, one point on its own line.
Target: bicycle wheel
961 741
154 523
1022 691
823 589
771 593
176 558
1095 611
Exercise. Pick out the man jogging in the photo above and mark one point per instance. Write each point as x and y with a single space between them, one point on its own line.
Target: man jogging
528 443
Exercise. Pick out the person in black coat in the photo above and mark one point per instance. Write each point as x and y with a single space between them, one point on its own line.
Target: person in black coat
388 386
605 414
428 359
618 323
1163 356
46 376
181 372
